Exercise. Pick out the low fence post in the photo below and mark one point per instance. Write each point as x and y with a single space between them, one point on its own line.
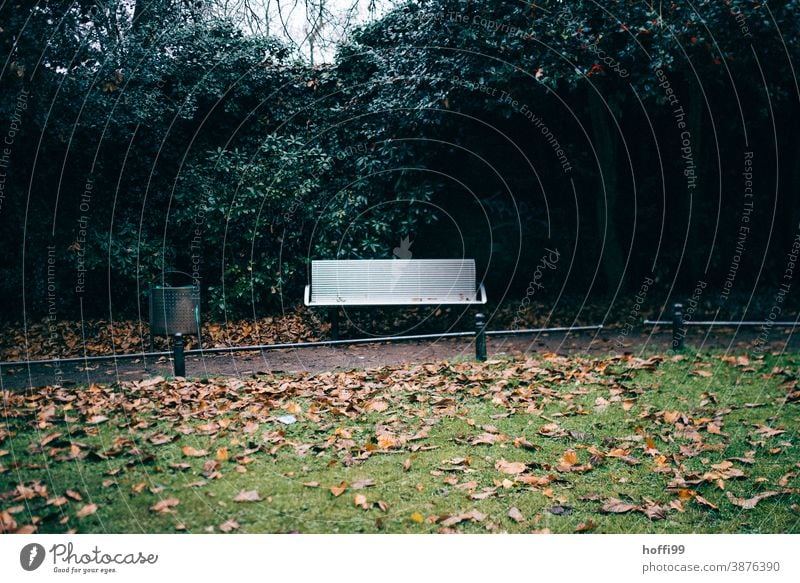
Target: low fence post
480 337
177 352
677 327
333 315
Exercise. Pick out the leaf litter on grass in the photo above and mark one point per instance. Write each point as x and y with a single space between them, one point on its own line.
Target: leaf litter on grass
533 446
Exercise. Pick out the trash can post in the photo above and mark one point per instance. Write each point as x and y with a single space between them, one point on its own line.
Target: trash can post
180 361
677 327
480 337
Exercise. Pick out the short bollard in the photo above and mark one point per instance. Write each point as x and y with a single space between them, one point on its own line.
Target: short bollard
677 327
180 360
480 337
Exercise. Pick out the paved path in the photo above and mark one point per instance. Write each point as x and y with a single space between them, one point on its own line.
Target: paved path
376 355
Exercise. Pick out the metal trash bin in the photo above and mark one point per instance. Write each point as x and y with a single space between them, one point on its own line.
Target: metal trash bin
174 310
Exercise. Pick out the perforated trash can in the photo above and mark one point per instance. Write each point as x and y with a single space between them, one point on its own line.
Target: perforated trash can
174 310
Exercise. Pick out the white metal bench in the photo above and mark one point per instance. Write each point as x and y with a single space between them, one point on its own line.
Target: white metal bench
392 282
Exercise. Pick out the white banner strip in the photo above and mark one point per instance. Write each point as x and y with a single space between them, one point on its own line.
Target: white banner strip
378 558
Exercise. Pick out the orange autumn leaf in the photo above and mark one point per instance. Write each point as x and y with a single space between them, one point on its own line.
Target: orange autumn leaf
338 490
509 467
189 451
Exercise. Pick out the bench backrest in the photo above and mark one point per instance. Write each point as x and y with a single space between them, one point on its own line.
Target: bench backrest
393 281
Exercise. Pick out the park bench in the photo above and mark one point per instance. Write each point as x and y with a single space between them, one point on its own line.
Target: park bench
391 282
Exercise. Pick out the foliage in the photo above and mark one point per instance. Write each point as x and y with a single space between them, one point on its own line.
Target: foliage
476 128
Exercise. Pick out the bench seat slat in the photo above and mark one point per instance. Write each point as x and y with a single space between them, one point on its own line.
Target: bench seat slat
392 282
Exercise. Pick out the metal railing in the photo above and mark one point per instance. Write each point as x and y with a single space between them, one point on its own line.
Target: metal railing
178 352
679 324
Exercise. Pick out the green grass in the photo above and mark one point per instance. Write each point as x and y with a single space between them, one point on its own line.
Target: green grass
455 401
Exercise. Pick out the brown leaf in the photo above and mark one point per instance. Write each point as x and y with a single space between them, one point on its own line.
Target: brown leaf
487 439
74 495
137 488
654 512
161 439
96 419
750 503
247 496
165 505
365 483
86 510
361 500
515 514
7 522
473 515
376 406
768 431
509 467
703 502
229 525
189 451
586 526
617 506
338 490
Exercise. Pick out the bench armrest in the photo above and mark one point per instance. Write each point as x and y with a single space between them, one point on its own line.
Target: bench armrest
307 296
482 292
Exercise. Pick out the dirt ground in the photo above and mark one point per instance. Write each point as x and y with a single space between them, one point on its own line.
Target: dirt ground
328 358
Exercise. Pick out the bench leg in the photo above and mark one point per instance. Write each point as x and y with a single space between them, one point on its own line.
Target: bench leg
480 337
333 314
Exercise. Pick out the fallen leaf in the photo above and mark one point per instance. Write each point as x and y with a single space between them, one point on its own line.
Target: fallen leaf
768 431
7 522
376 406
247 496
703 502
560 510
161 439
487 439
229 525
617 506
515 514
472 515
586 526
165 505
338 490
417 517
750 503
509 467
189 451
86 510
361 500
654 512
